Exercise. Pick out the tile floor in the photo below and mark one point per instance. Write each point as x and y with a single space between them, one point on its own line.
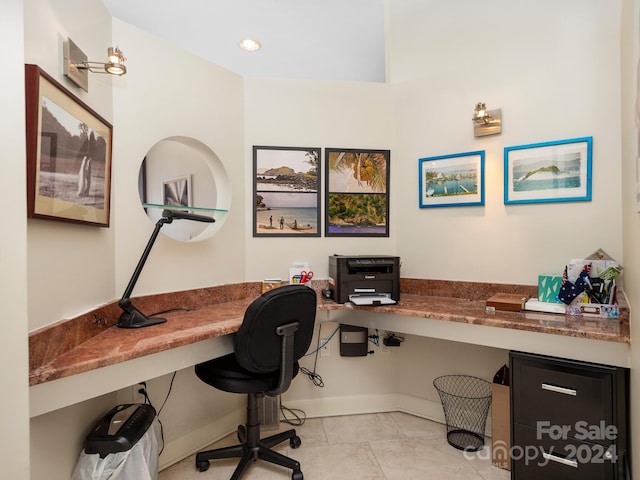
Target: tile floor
381 446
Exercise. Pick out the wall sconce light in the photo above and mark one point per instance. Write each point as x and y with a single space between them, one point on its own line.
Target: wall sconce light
486 122
76 67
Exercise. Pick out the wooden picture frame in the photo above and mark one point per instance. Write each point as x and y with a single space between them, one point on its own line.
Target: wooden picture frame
286 187
455 180
357 192
557 171
69 148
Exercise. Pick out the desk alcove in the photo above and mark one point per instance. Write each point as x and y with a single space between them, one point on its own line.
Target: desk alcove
109 359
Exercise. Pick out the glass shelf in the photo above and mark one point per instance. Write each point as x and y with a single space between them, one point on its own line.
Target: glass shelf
181 207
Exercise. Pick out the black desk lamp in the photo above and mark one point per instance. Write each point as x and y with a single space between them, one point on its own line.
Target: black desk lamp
131 316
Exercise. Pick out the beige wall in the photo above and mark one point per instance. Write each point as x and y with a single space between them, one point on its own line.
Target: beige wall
14 413
71 267
182 95
315 114
630 82
558 85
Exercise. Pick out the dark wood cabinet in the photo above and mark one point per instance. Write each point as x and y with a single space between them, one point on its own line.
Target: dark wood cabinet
569 419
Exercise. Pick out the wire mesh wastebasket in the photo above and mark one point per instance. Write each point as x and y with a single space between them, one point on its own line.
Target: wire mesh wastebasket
465 401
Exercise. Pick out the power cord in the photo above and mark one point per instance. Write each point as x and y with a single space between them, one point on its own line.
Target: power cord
375 339
170 310
299 415
143 391
313 375
320 347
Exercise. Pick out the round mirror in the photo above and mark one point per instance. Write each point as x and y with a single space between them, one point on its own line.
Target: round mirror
183 173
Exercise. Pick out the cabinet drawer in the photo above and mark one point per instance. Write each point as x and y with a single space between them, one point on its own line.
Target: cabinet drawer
562 393
562 459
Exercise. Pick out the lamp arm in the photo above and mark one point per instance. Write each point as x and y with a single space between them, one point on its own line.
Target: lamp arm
131 316
143 259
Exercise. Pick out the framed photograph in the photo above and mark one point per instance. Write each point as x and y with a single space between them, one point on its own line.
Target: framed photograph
286 189
176 192
68 154
357 196
452 180
558 171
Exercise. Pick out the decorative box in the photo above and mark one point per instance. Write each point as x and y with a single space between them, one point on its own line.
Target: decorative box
548 287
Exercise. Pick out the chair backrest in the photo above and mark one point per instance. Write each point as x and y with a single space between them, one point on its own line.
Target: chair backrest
258 346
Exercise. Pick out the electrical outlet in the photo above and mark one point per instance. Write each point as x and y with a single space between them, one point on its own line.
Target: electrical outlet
325 351
136 395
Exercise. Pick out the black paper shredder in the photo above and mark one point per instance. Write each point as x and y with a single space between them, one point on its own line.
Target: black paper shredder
120 429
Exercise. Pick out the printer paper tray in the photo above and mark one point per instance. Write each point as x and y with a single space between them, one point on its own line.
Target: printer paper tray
371 299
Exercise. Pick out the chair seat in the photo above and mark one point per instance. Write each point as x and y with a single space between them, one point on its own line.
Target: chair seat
225 373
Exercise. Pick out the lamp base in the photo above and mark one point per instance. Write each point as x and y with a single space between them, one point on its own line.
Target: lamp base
137 319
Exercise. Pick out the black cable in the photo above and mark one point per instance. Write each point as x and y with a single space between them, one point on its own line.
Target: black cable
300 417
313 376
375 339
320 347
171 310
173 377
143 390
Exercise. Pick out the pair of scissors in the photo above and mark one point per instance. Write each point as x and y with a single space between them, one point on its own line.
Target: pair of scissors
306 276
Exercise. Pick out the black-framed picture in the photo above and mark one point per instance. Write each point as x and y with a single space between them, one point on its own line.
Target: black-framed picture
177 191
286 186
455 180
557 171
357 194
68 154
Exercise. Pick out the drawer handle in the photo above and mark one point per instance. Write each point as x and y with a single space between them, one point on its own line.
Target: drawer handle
562 460
557 389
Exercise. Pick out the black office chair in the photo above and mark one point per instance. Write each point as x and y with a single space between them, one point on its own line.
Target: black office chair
275 333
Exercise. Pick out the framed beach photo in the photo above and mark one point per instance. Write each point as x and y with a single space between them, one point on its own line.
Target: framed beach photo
286 189
357 196
455 180
558 171
68 154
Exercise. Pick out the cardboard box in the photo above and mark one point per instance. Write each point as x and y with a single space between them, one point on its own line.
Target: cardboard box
548 288
500 426
511 302
270 284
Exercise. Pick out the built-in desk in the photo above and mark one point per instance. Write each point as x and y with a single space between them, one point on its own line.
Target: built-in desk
81 358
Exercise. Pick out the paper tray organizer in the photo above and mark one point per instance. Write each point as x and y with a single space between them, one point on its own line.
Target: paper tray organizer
371 299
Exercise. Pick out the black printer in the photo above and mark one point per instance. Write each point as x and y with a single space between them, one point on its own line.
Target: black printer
364 279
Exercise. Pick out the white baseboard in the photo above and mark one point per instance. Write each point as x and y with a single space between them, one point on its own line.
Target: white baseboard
359 404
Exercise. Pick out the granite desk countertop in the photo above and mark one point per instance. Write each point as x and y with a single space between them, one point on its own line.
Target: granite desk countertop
91 341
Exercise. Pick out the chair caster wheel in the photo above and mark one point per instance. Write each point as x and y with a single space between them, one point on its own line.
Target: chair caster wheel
295 442
297 475
203 466
242 434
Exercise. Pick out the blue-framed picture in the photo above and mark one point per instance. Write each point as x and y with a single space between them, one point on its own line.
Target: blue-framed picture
452 180
558 171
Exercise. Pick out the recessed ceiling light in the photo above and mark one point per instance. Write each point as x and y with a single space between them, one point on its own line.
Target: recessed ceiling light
250 45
